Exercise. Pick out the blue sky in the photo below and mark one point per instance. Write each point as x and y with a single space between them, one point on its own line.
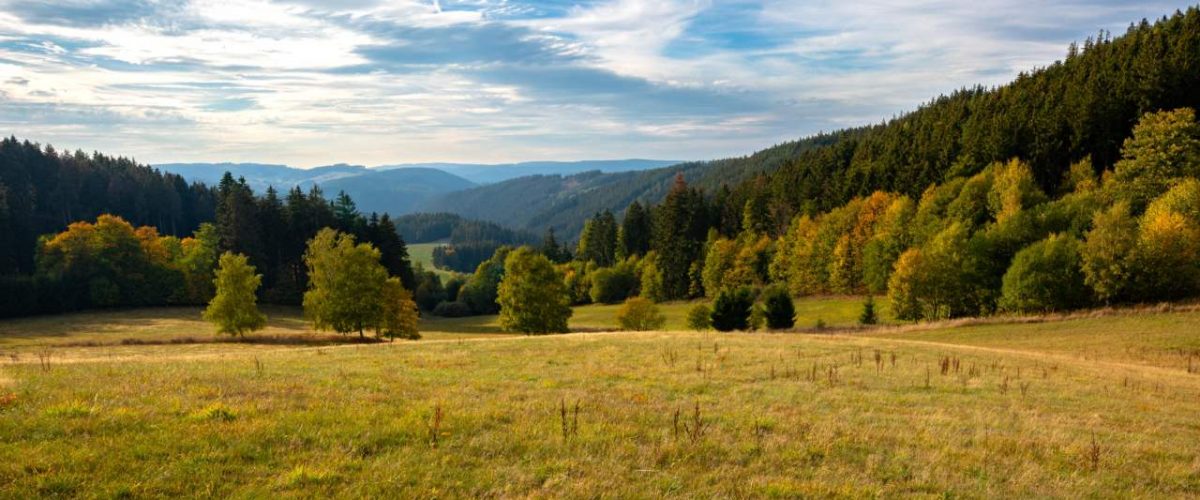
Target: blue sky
312 82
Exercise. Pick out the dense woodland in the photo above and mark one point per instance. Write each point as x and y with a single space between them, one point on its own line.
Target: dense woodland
1072 186
122 260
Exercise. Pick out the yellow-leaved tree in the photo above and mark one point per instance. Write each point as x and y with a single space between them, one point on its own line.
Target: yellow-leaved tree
234 308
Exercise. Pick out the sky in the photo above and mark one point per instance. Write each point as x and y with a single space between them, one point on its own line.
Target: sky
316 82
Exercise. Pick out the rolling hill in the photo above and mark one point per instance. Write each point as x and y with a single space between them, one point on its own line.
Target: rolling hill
487 174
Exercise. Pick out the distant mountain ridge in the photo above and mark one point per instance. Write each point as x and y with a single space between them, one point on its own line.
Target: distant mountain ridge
422 187
480 173
261 175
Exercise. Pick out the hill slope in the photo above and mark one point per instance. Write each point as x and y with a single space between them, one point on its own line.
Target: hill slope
395 191
564 202
487 174
398 191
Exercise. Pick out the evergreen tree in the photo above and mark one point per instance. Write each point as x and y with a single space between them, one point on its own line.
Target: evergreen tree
552 249
731 311
868 315
780 311
237 219
273 226
598 243
345 213
679 235
381 233
233 307
635 231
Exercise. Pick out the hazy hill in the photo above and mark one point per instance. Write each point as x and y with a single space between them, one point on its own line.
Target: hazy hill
486 174
564 202
261 175
397 191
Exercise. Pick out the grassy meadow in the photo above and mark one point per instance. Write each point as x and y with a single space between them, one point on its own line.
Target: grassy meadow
1094 406
422 253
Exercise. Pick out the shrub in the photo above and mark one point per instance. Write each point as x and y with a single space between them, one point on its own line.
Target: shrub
731 311
1045 276
868 316
611 285
699 317
452 310
780 311
758 317
639 314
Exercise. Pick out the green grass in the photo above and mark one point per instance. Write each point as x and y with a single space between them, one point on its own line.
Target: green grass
422 253
834 311
1015 419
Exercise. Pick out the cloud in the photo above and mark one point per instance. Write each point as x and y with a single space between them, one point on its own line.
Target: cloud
314 82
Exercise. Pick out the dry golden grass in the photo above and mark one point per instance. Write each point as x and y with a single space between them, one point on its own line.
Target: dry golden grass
991 410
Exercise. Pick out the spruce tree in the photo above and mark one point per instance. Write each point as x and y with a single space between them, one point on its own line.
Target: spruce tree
635 230
680 230
731 311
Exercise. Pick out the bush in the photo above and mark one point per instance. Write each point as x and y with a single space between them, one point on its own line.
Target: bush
699 317
731 311
611 285
868 316
780 311
1045 276
639 315
452 310
758 317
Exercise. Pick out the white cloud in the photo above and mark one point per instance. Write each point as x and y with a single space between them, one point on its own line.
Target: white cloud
295 81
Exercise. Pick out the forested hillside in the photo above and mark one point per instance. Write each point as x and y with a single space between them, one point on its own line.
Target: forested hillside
398 191
1083 105
563 203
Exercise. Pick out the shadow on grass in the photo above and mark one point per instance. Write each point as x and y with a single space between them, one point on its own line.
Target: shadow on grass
297 340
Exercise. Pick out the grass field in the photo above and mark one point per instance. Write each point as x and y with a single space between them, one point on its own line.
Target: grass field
834 311
1092 407
422 253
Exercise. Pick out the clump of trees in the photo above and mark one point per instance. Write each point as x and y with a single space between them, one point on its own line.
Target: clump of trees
350 290
110 263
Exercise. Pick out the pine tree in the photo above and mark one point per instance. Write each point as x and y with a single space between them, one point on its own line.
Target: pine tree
868 316
679 235
552 249
237 219
731 311
381 233
635 230
780 311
